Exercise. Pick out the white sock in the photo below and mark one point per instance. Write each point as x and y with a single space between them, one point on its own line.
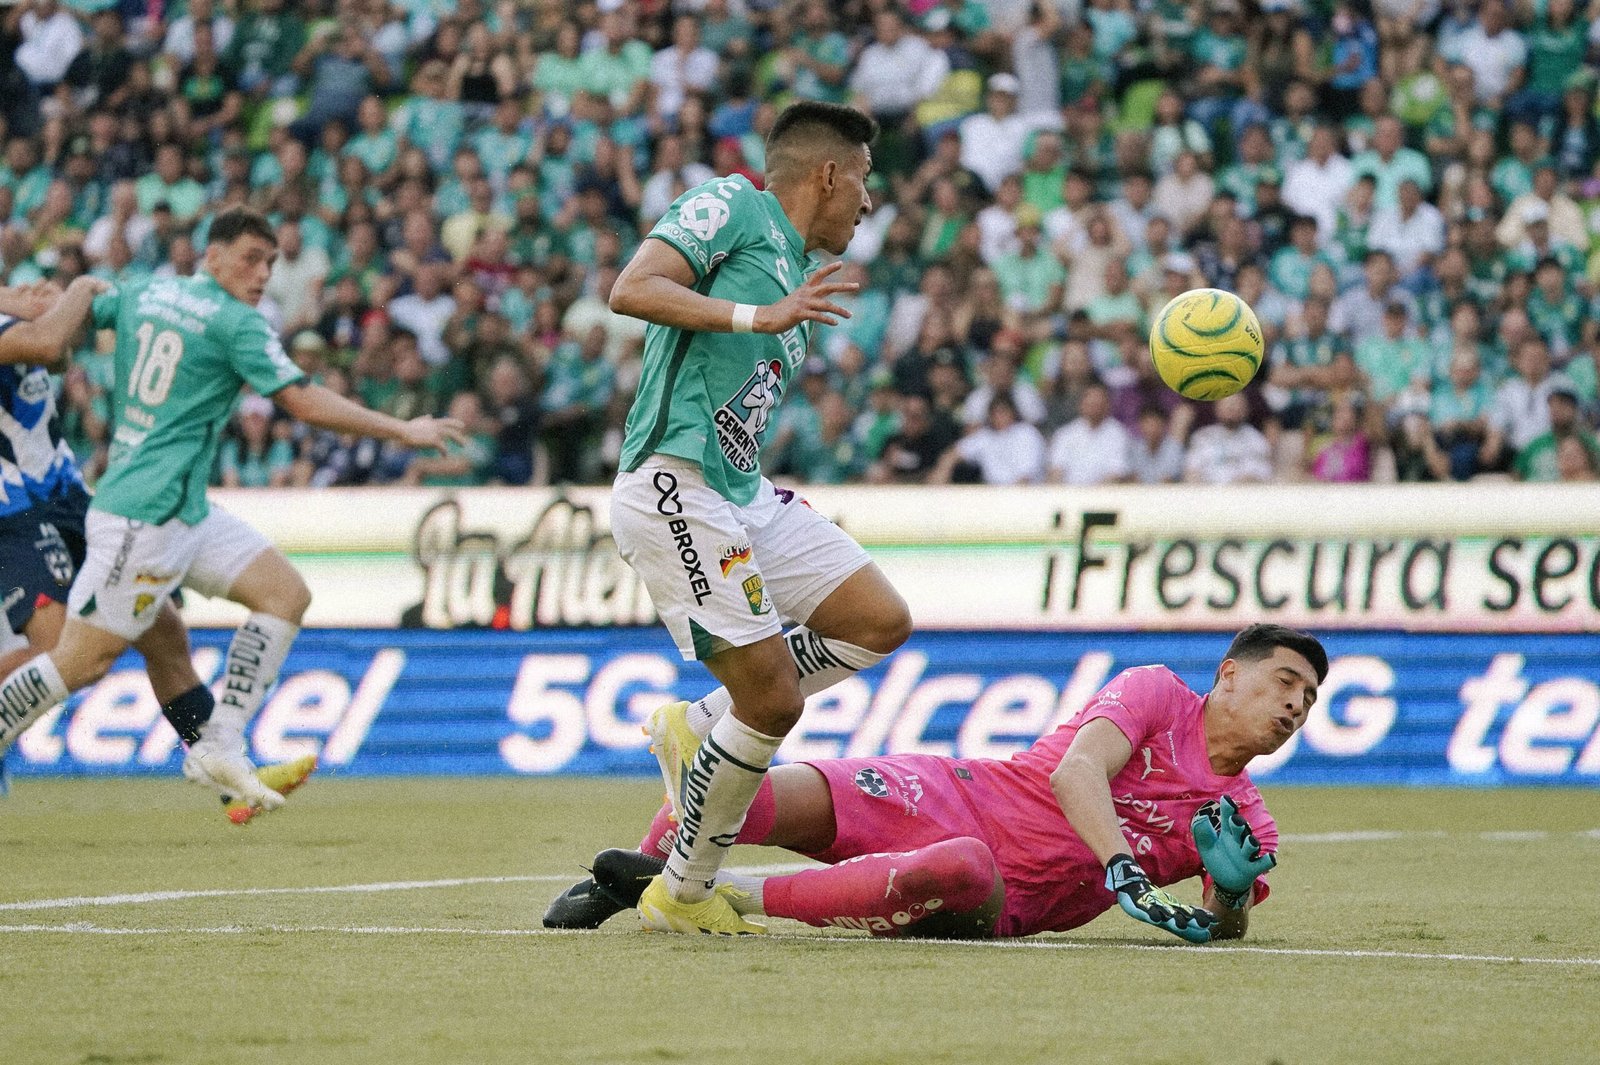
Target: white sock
722 782
821 661
255 656
756 904
30 693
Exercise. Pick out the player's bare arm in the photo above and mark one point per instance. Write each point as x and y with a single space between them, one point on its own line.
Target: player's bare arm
1082 786
657 285
43 339
322 407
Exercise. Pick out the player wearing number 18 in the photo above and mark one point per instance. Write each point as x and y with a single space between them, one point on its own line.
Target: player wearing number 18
184 348
1206 344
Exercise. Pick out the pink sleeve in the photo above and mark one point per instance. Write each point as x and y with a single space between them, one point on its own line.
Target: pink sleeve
1138 701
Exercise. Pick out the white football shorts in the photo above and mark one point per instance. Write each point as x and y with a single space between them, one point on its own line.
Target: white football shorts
722 575
130 567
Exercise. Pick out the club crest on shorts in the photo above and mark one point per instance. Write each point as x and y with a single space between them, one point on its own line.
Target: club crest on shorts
871 781
755 590
142 602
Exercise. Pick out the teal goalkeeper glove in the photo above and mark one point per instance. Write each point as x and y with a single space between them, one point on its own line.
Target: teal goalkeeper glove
1229 851
1143 901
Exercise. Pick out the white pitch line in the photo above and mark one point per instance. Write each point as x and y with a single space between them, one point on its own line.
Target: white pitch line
134 899
1369 836
83 928
137 898
218 893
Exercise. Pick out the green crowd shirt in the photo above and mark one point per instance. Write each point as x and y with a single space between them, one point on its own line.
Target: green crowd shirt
710 397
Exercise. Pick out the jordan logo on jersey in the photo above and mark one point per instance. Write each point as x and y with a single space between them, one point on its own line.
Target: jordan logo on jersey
741 420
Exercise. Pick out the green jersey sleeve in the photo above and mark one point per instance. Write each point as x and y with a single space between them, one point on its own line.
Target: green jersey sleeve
105 308
258 355
713 220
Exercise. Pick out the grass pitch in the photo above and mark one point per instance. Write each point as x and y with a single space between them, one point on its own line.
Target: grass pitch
1405 926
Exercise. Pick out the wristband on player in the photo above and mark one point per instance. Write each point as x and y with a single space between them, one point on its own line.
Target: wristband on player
744 318
1232 900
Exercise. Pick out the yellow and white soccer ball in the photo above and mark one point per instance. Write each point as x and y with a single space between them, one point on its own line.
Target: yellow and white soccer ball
1206 344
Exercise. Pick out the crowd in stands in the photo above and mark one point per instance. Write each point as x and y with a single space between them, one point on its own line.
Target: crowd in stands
1406 191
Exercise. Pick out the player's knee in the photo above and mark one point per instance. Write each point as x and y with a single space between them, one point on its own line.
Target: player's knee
962 870
289 599
298 600
887 627
776 713
84 666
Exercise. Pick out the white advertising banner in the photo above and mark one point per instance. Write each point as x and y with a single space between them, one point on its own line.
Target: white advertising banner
1445 558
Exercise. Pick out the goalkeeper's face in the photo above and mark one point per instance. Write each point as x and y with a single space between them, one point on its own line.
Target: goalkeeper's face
1272 697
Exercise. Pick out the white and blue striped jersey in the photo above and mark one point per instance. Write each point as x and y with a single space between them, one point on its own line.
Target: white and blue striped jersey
35 463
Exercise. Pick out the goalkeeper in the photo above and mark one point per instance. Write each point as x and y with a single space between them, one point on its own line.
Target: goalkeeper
1143 788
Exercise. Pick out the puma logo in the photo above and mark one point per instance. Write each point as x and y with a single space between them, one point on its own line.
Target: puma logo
1148 768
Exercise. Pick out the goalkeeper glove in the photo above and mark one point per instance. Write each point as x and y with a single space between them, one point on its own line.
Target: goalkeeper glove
1229 851
1143 901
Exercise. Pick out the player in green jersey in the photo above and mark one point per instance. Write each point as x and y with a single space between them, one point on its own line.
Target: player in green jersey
731 293
185 347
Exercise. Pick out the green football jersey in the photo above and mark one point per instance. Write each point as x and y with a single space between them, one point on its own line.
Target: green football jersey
184 348
709 397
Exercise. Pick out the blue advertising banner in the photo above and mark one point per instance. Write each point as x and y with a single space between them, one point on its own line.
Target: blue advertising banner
1397 708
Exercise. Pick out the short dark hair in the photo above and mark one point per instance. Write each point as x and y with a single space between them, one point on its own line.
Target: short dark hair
238 222
1259 641
811 117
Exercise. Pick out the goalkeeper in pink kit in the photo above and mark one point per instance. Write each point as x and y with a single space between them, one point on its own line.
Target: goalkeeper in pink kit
1145 787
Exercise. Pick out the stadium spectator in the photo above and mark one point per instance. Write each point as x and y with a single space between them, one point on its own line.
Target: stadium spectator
577 390
510 403
1002 376
1394 360
1342 454
1230 450
897 71
1576 462
297 277
1094 448
992 140
1541 459
1521 410
178 41
1458 414
910 455
51 36
1412 232
1156 452
425 310
259 456
1544 197
1004 450
1495 52
1358 313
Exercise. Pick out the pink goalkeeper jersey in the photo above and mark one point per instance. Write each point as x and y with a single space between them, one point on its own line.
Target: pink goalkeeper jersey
1053 881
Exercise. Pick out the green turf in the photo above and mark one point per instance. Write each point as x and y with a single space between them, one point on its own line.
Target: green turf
276 991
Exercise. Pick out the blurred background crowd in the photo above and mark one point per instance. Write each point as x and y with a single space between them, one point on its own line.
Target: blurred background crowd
1406 191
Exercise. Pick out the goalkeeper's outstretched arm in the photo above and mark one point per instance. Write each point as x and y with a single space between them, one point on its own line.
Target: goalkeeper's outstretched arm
1082 785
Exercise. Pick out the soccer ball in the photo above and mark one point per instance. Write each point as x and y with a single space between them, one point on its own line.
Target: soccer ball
1206 344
